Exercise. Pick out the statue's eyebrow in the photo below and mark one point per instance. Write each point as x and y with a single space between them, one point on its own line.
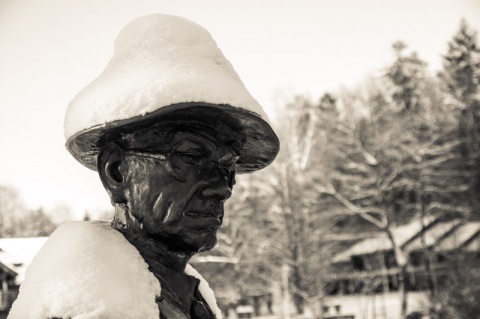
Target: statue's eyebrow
197 139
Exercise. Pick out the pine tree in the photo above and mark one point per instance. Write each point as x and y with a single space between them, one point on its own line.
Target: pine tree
407 74
461 76
462 65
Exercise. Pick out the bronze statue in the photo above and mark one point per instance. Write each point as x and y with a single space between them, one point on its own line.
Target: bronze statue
167 126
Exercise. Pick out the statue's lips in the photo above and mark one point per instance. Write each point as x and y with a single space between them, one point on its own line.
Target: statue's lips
204 220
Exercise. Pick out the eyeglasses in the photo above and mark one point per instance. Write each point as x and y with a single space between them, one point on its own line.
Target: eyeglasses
191 164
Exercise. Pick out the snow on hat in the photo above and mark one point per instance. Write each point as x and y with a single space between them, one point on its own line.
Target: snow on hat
163 63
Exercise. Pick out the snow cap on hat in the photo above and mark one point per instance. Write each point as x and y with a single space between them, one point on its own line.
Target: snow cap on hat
162 64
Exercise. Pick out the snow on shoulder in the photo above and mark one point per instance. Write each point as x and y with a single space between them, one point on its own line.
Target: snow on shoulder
87 270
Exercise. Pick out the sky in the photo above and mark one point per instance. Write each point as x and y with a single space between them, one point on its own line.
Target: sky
51 49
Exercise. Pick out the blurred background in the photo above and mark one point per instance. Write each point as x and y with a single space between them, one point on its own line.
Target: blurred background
371 209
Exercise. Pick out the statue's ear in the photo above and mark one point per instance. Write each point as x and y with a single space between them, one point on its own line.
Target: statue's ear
111 168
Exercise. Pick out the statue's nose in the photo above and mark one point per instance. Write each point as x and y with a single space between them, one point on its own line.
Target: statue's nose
219 185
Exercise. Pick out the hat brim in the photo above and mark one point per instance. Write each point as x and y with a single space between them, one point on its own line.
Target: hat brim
259 150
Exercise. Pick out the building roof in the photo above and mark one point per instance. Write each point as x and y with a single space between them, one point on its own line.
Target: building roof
460 237
17 253
473 245
380 241
441 235
433 235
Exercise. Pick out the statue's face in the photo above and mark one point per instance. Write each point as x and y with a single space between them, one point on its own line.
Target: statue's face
179 196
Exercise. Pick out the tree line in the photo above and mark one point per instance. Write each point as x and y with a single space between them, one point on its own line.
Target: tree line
18 221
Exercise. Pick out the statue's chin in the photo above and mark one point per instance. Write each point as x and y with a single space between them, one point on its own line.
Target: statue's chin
202 243
189 245
208 246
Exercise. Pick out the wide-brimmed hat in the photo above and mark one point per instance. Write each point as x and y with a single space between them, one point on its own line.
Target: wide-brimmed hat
163 64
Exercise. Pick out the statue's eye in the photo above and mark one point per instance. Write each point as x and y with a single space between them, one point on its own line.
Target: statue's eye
190 159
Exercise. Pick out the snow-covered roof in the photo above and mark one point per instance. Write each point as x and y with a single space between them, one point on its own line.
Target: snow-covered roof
366 246
9 263
473 245
18 253
433 235
442 235
380 242
460 236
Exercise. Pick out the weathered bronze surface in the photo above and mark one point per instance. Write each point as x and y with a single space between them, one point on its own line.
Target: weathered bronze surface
169 179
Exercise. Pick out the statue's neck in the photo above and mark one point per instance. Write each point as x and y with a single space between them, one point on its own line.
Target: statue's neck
123 219
150 248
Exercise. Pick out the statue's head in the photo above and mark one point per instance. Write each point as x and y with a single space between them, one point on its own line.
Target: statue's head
172 176
167 125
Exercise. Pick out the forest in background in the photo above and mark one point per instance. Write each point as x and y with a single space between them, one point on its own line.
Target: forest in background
404 145
399 146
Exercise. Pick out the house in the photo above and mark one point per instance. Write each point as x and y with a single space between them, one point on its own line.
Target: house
366 284
15 256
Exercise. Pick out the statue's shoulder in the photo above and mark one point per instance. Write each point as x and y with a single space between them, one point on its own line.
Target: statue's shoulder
86 242
87 268
78 233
